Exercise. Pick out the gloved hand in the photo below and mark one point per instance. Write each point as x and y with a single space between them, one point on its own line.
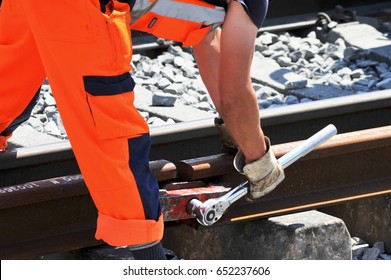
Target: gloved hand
263 175
229 144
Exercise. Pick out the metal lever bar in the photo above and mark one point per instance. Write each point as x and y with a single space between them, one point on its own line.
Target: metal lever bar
210 211
307 146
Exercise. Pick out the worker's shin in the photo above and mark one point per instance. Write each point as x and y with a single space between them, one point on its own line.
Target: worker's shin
264 174
152 251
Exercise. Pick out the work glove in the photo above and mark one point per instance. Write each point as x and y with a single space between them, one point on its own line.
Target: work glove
228 143
263 175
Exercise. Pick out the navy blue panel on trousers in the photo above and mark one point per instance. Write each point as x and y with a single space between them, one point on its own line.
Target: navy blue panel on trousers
108 85
24 116
147 184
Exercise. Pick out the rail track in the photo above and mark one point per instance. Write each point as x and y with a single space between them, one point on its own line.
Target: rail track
57 214
46 208
200 138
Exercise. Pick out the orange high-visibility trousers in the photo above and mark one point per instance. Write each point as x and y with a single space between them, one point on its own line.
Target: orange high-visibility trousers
86 56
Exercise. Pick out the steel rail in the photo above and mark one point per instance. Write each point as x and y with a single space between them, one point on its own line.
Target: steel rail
200 138
54 215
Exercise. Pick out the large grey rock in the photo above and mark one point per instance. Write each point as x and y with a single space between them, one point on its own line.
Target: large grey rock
365 37
163 99
302 236
371 254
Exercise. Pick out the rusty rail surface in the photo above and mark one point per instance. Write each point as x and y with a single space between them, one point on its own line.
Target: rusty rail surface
56 215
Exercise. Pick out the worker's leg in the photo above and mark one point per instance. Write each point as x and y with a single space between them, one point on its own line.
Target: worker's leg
232 51
87 59
230 83
21 70
238 101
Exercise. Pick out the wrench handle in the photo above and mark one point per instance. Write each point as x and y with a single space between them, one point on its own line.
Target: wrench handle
307 146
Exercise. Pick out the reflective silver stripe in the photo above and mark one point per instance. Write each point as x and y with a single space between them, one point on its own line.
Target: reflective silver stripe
139 8
179 10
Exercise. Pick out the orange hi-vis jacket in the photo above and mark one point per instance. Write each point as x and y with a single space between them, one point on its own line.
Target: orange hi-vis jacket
186 21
